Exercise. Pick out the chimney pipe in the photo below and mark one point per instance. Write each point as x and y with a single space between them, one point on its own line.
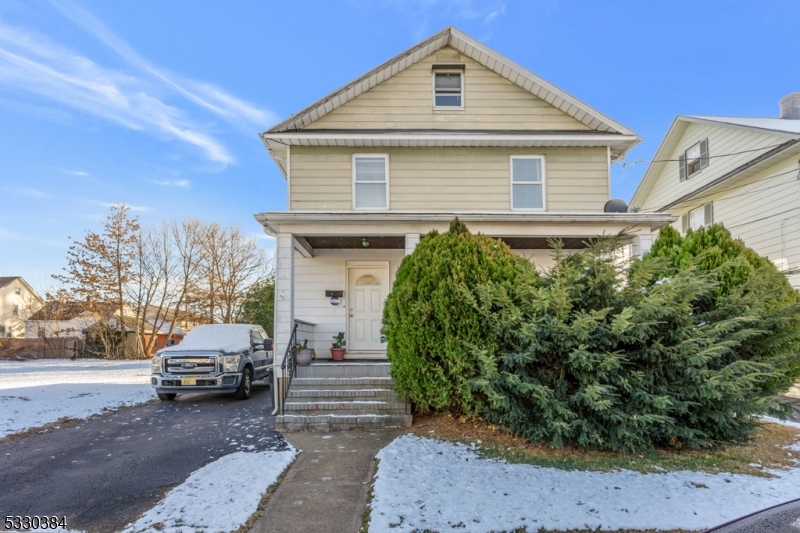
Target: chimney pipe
790 106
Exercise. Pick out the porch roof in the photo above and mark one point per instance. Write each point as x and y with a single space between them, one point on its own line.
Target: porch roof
387 230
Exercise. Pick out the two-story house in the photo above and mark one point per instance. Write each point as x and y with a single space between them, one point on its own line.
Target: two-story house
741 172
18 301
447 128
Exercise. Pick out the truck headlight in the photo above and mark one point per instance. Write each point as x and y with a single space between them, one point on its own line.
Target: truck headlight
231 363
156 364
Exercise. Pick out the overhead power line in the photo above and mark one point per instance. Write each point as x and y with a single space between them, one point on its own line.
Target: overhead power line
626 165
733 188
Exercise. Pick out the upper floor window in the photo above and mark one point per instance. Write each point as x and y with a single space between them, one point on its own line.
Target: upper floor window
371 181
694 159
15 310
448 89
527 182
18 291
698 218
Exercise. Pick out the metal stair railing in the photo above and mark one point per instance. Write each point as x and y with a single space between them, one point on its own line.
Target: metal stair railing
288 368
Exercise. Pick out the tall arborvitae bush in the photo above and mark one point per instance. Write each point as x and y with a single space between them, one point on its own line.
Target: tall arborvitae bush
679 349
430 326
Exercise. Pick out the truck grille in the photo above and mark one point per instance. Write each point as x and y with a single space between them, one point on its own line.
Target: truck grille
190 366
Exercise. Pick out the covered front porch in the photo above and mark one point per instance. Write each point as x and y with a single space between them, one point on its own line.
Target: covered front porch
335 269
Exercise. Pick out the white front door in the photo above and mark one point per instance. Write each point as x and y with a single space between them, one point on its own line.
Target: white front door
367 288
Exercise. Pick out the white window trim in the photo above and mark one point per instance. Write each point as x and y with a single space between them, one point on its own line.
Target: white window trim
353 180
511 183
463 90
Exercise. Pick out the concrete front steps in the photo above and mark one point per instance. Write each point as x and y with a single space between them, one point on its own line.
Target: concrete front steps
343 395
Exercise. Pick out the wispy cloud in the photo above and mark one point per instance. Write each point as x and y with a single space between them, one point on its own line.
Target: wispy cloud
9 235
136 98
38 65
30 193
458 10
176 183
201 93
77 173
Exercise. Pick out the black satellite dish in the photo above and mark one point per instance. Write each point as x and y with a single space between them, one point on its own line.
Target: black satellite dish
615 206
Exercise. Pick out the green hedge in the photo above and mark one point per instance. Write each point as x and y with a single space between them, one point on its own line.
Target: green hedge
678 349
430 325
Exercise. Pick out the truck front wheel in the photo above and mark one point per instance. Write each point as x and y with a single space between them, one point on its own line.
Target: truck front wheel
166 396
243 392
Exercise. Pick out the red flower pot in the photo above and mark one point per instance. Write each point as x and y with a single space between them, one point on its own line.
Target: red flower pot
338 353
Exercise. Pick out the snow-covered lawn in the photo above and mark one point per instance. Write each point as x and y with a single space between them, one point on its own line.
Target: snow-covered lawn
427 484
35 393
217 498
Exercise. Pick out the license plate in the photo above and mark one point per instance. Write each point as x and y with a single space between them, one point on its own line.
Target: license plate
188 381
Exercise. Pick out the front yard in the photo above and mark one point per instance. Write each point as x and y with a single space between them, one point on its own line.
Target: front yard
42 392
469 477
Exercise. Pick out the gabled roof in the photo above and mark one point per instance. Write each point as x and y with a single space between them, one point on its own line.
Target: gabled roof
780 127
470 47
7 280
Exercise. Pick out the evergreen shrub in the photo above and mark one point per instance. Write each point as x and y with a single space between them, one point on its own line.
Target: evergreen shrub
428 323
678 349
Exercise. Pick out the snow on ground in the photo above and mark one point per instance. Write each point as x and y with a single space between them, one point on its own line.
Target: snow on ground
35 393
217 498
427 484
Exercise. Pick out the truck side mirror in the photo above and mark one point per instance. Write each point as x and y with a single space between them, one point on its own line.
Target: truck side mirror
268 344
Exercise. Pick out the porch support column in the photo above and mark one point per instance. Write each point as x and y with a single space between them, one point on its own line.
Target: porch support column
284 296
642 244
412 240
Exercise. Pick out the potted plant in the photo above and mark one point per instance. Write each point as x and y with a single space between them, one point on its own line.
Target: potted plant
338 349
303 354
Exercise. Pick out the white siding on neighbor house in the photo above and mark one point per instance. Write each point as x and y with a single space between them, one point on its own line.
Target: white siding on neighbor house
449 179
721 140
25 303
763 211
405 101
327 271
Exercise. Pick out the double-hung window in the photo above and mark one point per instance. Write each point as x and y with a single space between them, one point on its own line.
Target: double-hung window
527 182
371 181
448 89
699 217
693 160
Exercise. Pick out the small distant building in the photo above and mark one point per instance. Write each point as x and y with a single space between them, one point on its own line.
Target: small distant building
60 319
18 301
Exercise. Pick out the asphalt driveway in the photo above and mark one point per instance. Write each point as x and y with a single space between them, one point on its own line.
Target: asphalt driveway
105 472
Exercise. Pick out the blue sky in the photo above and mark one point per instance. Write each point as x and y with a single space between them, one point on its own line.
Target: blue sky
158 104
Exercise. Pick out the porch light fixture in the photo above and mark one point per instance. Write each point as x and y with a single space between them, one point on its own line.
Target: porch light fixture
365 243
334 296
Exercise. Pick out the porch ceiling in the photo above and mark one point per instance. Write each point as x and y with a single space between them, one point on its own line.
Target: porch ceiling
393 242
397 242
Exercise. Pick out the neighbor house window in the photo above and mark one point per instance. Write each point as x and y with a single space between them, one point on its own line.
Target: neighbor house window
698 218
18 291
370 181
693 160
15 311
527 182
448 89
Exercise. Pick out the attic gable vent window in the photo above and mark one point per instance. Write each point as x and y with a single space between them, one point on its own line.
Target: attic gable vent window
693 160
448 90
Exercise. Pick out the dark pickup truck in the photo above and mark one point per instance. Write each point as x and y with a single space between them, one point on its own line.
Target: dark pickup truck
216 358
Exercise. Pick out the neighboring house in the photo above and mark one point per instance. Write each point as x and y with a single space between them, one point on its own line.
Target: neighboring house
18 301
447 128
741 172
60 319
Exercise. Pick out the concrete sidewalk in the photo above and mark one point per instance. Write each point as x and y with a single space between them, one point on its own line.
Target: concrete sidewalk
325 490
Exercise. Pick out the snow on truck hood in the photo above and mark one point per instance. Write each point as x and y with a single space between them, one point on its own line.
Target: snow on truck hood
214 337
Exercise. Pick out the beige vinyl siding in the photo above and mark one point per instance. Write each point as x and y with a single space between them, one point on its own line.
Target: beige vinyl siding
405 101
327 271
755 210
721 140
449 179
